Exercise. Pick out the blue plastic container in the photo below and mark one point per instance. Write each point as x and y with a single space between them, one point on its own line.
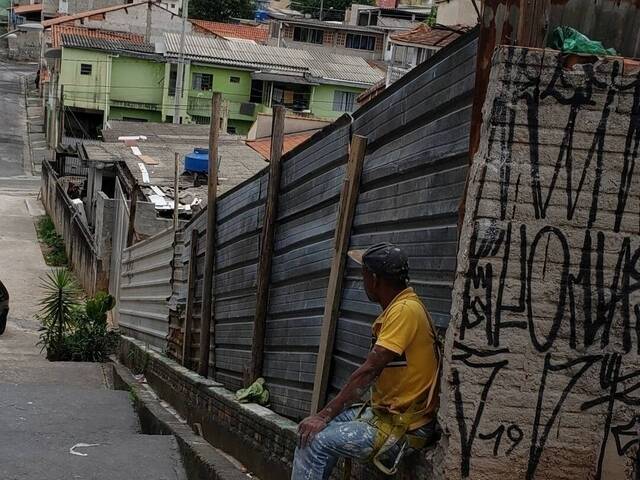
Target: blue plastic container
198 161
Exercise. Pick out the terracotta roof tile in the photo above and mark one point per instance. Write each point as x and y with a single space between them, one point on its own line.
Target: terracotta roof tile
71 31
430 36
291 141
230 30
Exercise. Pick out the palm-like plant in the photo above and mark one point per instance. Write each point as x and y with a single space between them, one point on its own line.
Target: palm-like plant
58 308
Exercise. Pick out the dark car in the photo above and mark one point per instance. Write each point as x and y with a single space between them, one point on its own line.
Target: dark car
4 307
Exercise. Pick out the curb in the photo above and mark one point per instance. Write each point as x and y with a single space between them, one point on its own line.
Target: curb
200 460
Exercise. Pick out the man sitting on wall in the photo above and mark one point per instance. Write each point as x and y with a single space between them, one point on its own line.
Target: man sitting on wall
401 369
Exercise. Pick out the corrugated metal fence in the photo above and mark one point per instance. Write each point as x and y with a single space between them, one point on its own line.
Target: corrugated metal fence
145 286
413 179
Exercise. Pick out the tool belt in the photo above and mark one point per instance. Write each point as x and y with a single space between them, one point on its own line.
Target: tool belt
392 429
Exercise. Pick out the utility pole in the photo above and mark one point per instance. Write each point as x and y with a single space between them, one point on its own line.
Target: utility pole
180 72
61 120
321 8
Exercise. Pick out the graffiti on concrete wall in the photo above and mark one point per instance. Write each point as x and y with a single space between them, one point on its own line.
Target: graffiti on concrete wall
546 340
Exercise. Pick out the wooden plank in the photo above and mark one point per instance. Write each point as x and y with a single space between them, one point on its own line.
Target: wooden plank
346 212
191 293
176 192
266 244
131 229
209 262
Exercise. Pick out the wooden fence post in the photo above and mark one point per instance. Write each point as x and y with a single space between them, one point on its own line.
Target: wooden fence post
191 296
176 193
210 252
266 244
344 221
131 229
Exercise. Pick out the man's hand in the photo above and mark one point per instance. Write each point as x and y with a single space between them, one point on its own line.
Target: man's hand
309 428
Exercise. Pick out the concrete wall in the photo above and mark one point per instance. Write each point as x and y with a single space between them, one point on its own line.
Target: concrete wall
23 45
134 20
69 7
542 355
457 12
85 91
81 250
138 81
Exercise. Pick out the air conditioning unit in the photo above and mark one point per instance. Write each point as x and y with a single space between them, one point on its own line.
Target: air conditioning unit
247 108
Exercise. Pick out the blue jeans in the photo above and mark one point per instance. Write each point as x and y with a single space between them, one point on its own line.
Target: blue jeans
344 436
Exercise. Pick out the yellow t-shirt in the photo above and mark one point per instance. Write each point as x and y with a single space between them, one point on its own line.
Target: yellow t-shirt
405 328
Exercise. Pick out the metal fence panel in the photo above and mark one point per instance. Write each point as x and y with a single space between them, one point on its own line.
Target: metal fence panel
145 287
412 183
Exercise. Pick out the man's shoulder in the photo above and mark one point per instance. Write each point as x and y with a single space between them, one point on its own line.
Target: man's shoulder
409 306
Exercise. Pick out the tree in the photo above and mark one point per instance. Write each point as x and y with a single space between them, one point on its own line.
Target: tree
331 9
221 10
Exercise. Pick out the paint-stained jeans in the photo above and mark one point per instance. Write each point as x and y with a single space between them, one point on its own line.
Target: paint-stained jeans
344 436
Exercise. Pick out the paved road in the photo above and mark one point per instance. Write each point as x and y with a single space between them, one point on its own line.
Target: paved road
12 119
58 421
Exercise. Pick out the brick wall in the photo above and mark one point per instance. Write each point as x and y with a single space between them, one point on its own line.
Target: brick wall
542 371
260 439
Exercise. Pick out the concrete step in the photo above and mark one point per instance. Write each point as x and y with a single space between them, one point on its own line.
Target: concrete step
26 456
43 426
50 409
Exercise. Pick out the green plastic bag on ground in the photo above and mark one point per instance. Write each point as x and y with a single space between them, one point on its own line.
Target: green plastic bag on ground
570 40
255 393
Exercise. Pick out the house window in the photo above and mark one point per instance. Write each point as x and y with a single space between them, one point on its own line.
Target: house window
234 79
360 42
308 35
257 88
231 130
201 81
344 101
85 68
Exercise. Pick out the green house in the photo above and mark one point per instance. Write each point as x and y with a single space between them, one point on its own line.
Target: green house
252 78
109 78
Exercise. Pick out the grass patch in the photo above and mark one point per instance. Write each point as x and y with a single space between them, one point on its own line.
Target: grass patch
52 244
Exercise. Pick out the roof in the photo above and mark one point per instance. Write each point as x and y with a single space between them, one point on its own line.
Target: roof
230 30
372 92
27 8
316 64
113 44
291 141
97 11
238 161
57 31
425 35
332 25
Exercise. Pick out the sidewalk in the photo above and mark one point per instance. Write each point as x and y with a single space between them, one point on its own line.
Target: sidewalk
35 125
60 421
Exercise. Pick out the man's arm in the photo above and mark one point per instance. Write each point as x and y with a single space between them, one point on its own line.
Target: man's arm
357 385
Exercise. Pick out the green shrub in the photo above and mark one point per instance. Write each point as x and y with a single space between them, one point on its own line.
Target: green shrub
54 254
73 330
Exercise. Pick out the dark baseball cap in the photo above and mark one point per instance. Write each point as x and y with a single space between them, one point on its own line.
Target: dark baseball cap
384 259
